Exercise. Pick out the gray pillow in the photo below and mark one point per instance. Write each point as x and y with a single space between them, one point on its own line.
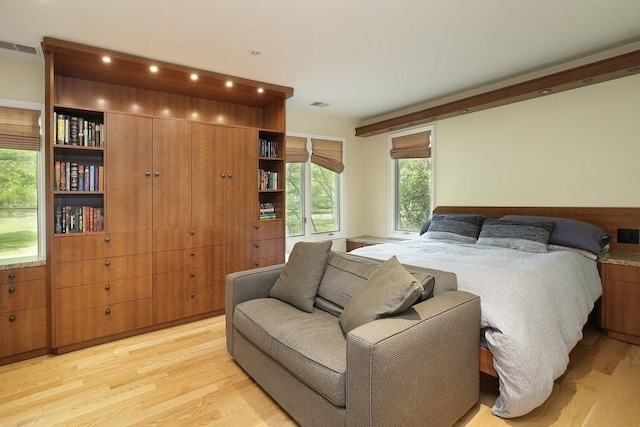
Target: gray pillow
570 232
389 290
298 283
459 228
524 236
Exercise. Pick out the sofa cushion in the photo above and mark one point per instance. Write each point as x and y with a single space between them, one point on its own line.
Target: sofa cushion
389 290
309 345
298 283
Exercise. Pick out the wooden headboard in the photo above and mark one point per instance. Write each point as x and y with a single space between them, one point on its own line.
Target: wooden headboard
609 219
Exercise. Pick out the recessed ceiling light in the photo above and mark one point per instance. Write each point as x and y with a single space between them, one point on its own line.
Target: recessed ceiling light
106 59
319 104
260 90
229 83
544 91
153 68
194 76
255 52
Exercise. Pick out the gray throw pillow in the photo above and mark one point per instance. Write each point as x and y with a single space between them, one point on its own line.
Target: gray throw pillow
458 228
298 283
524 236
389 290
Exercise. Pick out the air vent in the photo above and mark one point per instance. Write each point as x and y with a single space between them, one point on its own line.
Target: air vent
319 104
19 48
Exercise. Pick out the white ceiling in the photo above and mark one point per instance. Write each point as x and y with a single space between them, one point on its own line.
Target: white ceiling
363 57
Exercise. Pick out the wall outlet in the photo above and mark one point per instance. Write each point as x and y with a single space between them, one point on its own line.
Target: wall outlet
628 235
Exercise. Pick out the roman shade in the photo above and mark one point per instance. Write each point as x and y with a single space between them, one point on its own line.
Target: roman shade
327 153
19 128
296 150
414 146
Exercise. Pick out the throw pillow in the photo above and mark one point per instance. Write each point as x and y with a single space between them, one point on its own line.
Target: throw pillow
524 236
459 228
298 283
389 290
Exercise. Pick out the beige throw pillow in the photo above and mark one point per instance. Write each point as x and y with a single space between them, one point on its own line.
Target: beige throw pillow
298 283
389 290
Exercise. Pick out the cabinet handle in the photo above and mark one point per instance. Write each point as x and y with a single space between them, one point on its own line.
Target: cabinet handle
257 264
107 239
107 287
12 276
12 290
192 274
147 173
12 318
230 175
157 173
107 263
222 175
257 226
192 232
257 245
192 253
192 294
107 311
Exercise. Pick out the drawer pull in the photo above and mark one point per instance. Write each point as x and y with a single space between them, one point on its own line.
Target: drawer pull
192 232
222 175
157 173
107 311
192 253
257 264
230 175
192 294
12 318
12 276
147 173
257 226
257 245
107 239
192 274
107 287
107 263
12 290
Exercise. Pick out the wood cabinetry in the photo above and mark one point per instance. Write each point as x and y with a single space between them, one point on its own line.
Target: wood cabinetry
621 301
23 313
179 196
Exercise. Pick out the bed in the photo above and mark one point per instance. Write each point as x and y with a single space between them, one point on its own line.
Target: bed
534 303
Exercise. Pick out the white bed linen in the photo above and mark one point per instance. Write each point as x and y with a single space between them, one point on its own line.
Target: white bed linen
534 306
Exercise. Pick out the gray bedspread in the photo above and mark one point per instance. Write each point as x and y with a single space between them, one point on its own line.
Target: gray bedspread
534 307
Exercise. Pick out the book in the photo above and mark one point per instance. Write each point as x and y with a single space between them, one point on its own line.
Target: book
73 130
73 176
56 180
80 178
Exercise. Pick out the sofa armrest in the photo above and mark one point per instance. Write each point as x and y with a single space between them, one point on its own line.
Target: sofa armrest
244 286
420 365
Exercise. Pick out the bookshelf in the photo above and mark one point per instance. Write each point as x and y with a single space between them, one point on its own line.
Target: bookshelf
271 176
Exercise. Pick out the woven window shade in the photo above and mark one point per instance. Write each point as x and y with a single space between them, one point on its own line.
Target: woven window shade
327 153
296 149
414 146
19 128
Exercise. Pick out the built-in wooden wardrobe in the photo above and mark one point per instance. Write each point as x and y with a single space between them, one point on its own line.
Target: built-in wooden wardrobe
159 184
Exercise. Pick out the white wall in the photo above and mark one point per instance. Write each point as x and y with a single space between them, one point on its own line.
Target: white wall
574 148
21 76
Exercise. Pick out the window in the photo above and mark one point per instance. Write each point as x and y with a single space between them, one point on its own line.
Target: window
411 182
314 186
21 167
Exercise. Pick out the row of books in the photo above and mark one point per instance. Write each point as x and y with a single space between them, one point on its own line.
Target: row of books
78 219
71 176
268 148
267 211
72 130
267 180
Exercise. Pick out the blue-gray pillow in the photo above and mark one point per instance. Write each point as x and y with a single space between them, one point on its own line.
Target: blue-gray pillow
524 236
571 233
459 228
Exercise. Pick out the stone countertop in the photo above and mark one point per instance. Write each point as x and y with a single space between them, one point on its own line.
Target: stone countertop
22 265
631 259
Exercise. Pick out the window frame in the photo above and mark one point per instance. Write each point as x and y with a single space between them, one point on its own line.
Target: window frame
308 236
41 183
393 174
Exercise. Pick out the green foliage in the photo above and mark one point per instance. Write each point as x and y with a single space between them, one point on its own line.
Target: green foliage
413 193
18 179
18 233
295 200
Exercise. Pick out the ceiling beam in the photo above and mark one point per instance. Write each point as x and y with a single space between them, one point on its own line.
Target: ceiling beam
595 72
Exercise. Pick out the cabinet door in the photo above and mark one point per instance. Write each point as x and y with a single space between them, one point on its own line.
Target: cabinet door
242 176
128 170
208 182
171 175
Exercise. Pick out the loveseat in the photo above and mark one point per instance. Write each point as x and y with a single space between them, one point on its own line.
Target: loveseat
418 367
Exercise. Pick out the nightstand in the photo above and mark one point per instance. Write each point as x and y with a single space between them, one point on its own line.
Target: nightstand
362 241
620 316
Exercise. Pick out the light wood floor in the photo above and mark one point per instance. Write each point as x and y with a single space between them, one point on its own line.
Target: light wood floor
183 376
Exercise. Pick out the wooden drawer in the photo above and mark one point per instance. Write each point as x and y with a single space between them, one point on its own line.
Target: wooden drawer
254 263
23 330
238 251
180 281
216 268
22 295
262 230
103 294
622 273
15 275
621 306
101 270
83 325
181 259
94 246
180 305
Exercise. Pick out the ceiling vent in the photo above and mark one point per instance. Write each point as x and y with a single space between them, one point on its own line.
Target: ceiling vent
19 48
319 104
